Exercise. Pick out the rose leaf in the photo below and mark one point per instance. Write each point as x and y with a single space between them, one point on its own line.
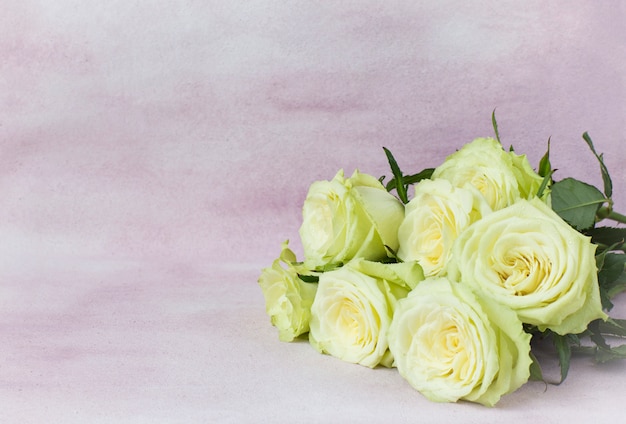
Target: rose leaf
576 202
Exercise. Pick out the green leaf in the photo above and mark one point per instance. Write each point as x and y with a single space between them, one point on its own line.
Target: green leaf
547 179
564 351
495 125
605 355
610 269
608 236
422 175
309 278
612 327
536 374
597 330
595 334
545 167
411 179
606 178
576 202
618 286
397 174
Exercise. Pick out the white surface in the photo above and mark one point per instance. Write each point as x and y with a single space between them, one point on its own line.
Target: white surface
163 346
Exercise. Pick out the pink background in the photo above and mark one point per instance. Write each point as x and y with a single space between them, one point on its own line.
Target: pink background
154 155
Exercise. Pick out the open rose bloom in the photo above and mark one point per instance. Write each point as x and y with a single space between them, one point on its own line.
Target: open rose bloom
451 344
353 308
528 258
433 219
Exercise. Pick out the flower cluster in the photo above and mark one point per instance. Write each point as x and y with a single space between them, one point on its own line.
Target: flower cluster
451 285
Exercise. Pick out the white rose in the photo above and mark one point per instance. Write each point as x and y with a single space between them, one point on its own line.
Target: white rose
353 308
433 219
288 299
450 344
502 177
349 218
526 257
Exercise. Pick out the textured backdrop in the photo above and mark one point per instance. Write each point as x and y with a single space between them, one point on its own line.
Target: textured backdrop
145 145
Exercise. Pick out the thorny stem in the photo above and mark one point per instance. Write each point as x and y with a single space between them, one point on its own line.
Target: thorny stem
607 213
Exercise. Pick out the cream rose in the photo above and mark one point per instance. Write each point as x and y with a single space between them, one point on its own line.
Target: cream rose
288 299
450 344
528 258
433 219
349 218
502 177
353 308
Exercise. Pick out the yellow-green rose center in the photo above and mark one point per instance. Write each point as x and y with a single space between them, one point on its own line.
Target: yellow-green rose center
523 269
442 346
523 273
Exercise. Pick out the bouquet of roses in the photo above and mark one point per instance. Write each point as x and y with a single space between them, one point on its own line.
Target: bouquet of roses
456 285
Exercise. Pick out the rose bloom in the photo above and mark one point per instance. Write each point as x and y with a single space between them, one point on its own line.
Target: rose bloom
502 177
451 344
288 299
349 218
528 258
433 219
353 308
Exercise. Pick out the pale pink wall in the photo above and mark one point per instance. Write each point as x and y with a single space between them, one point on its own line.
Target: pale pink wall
191 130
